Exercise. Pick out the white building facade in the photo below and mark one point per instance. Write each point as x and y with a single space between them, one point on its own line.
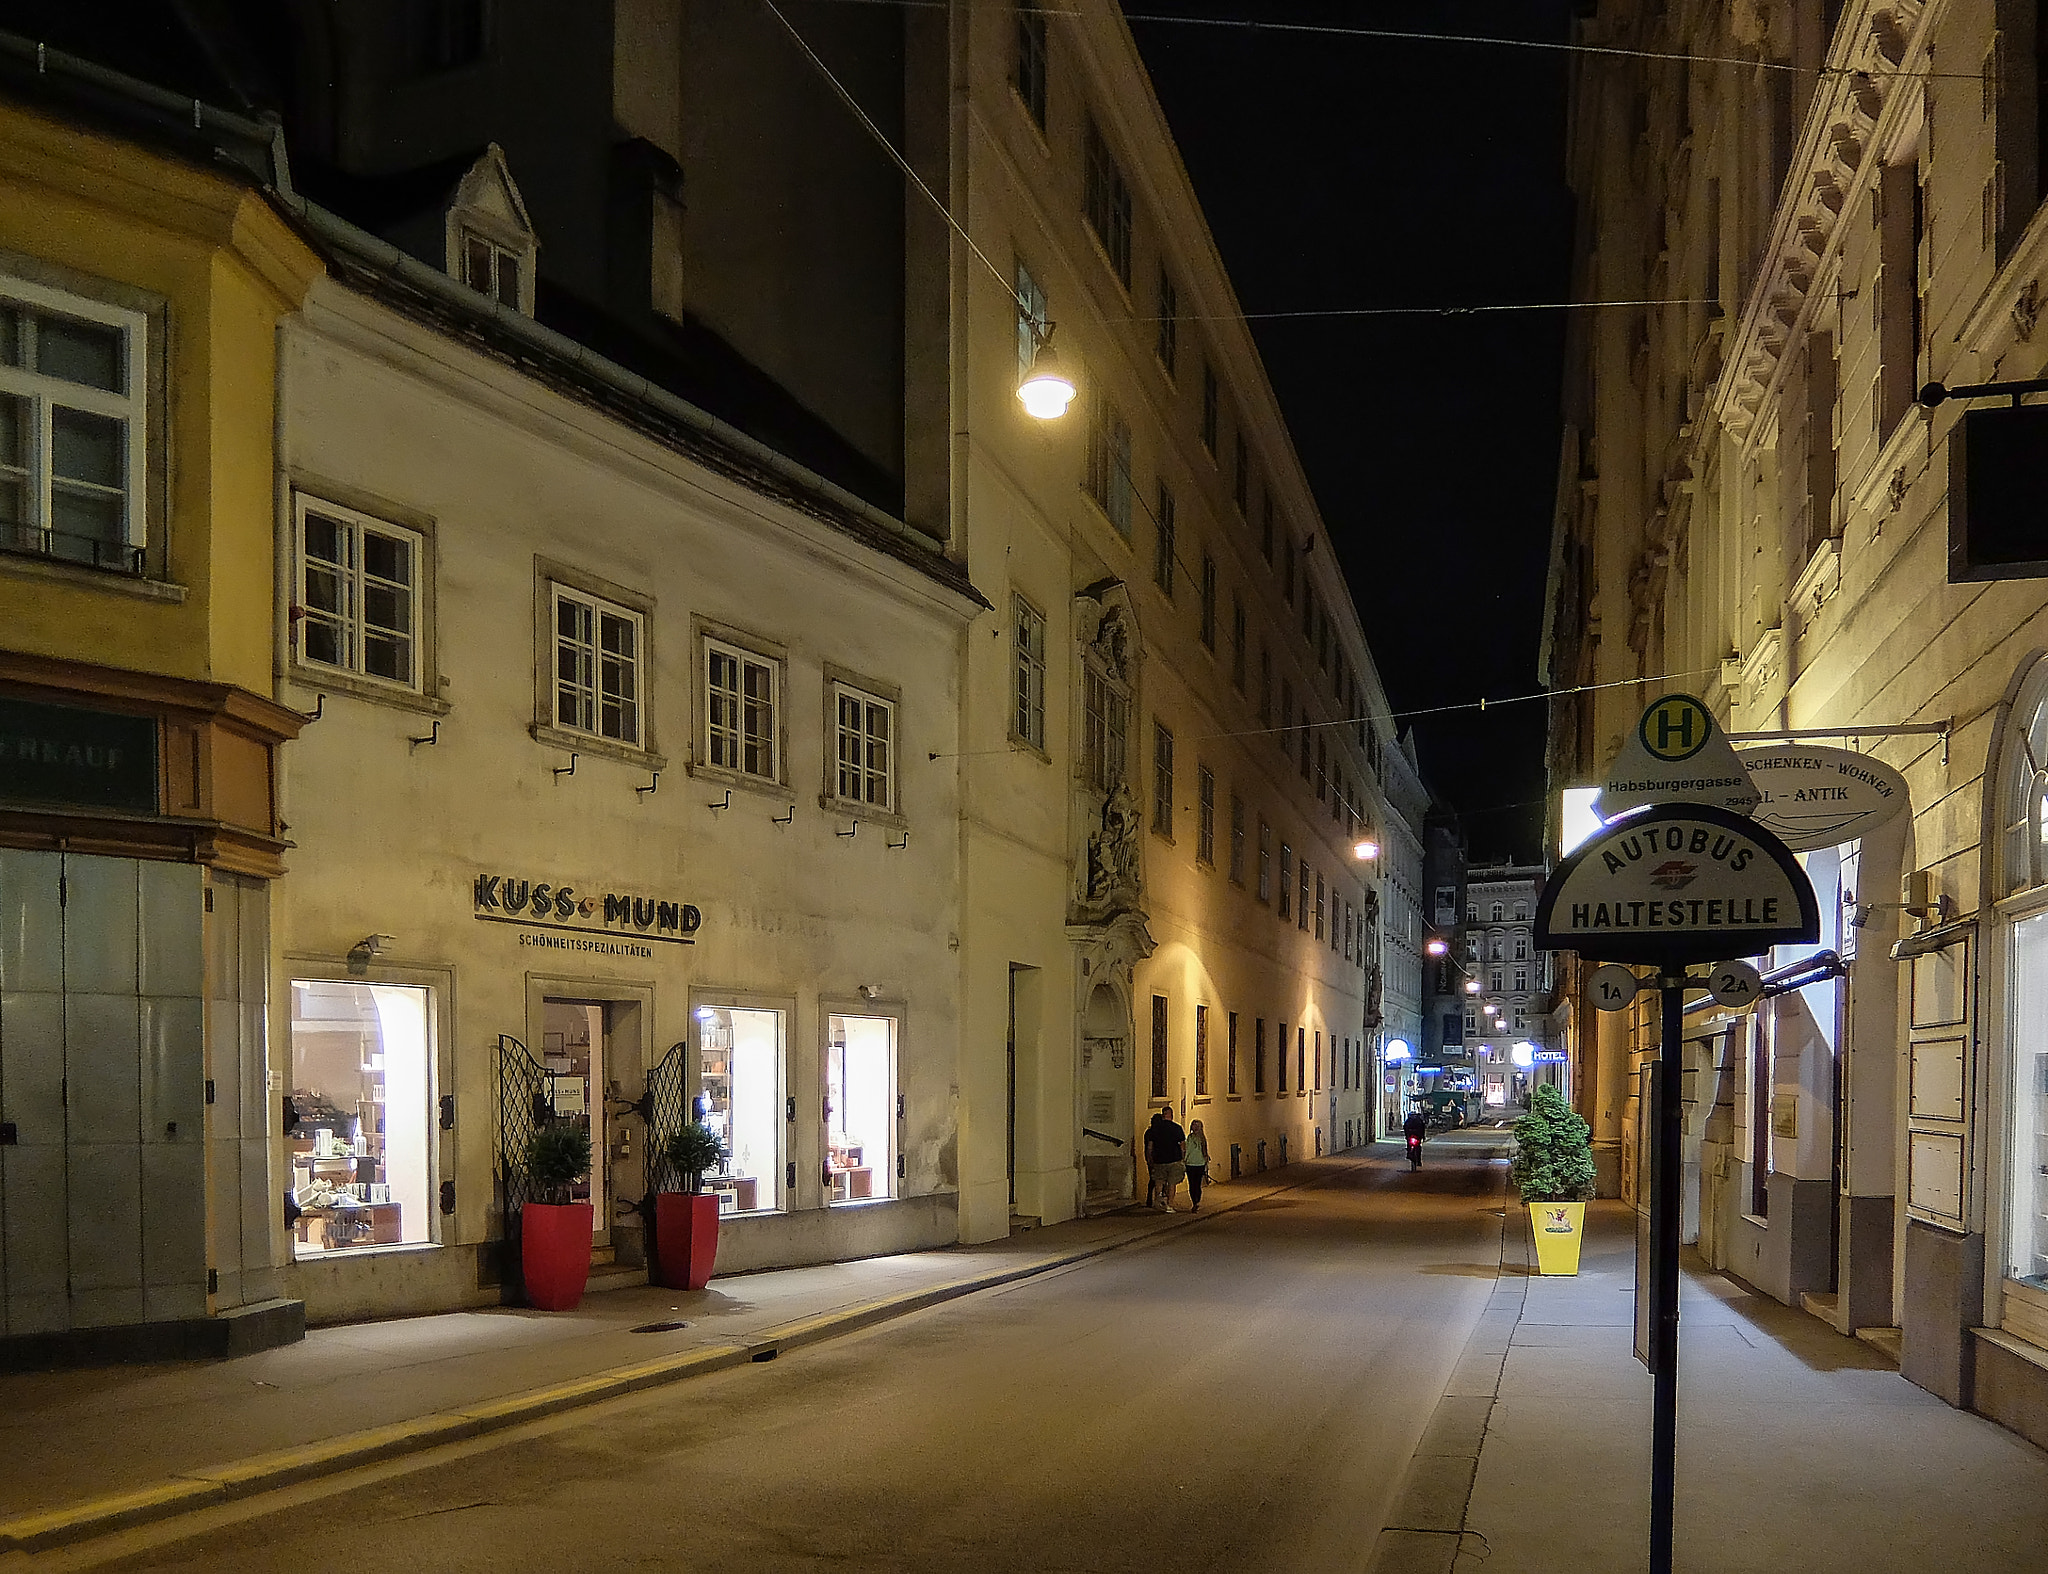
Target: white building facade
618 796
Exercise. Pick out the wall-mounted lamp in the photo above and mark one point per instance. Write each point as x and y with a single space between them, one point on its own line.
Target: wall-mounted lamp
1366 850
369 946
871 991
1046 390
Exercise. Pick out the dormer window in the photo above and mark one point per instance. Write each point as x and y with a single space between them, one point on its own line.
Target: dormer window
491 243
491 269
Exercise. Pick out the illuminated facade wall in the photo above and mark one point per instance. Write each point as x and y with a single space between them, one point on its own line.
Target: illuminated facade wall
1755 508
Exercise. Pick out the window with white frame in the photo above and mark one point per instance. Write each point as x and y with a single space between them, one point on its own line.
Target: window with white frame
864 732
741 704
1033 325
491 269
1027 720
73 433
599 658
356 597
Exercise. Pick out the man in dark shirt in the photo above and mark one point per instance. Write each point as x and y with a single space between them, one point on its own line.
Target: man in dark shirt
1164 1144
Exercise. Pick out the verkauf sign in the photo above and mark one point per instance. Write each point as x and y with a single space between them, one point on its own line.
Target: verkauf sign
1814 796
1677 883
1676 754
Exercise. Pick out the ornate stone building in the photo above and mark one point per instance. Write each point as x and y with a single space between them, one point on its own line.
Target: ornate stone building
1804 212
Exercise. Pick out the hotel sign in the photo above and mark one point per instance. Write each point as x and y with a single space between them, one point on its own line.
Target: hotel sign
66 755
616 915
1679 882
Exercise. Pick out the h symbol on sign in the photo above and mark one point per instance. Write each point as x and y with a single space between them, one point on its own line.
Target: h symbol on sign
1681 724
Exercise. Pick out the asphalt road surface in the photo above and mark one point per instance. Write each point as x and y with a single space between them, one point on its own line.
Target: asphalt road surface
1243 1396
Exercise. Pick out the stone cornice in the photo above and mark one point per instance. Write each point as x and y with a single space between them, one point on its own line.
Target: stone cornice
1873 63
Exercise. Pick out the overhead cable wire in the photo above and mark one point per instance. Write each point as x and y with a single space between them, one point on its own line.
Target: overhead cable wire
1474 40
1483 704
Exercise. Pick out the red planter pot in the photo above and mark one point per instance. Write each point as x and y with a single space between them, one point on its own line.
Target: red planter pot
685 1237
554 1253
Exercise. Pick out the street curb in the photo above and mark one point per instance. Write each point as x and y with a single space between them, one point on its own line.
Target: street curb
1426 1530
212 1485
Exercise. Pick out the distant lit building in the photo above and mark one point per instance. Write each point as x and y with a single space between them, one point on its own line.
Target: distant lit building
1505 1020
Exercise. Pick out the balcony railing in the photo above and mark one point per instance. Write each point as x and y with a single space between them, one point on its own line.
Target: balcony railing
60 546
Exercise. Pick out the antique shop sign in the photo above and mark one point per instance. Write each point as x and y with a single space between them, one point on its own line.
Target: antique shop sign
1677 882
67 755
1676 754
1814 796
616 915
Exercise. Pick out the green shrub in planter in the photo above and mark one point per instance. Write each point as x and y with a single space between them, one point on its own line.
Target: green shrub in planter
692 1151
1553 1151
557 1157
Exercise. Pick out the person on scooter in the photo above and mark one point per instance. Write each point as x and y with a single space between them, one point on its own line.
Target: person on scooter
1415 1128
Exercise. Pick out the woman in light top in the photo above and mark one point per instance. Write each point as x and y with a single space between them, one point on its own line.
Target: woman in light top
1196 1158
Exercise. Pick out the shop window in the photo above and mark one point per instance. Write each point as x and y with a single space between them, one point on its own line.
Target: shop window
741 711
739 1080
362 1091
864 730
598 664
72 429
357 597
860 1108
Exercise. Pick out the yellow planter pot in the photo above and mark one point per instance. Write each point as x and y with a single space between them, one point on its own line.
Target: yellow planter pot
1558 1227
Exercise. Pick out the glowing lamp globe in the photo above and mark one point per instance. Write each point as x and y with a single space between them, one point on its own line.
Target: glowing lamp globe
1523 1054
1367 849
1046 391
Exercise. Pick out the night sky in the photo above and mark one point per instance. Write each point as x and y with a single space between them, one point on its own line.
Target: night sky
1348 172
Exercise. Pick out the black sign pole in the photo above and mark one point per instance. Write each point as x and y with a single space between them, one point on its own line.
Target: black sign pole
1664 1201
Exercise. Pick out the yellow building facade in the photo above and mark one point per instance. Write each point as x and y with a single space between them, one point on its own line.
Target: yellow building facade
142 278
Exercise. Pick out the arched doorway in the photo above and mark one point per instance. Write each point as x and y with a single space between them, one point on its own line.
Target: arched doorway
1106 1123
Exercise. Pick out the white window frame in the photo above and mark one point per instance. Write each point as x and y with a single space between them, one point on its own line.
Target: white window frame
600 608
715 642
869 697
44 392
357 522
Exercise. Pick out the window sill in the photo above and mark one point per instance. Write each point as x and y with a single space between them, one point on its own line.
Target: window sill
857 1202
397 1249
52 572
858 812
601 748
1023 745
323 681
762 786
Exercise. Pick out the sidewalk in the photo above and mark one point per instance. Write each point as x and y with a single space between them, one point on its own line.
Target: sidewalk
97 1449
1797 1448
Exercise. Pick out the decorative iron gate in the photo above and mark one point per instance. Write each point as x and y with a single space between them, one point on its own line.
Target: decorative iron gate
525 1104
667 1111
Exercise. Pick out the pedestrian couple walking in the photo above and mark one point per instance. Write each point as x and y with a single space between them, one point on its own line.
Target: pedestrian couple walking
1170 1155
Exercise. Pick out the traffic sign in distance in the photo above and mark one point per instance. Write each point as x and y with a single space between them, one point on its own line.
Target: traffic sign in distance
1613 986
1676 754
1735 984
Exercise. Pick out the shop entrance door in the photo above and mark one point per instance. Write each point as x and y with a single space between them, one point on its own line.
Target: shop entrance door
575 1054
